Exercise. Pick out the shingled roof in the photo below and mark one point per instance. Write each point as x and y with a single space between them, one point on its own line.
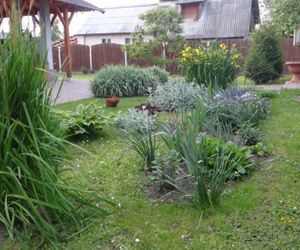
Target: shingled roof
218 19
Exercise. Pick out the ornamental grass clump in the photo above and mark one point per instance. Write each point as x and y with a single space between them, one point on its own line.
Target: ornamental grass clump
34 200
214 66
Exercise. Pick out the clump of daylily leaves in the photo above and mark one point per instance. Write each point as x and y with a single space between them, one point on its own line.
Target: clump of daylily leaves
214 66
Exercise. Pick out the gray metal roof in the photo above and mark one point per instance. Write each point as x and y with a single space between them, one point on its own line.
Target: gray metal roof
219 19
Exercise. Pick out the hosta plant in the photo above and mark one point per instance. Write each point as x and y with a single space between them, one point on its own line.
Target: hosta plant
86 120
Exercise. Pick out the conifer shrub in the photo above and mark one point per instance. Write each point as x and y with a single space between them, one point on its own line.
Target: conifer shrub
264 62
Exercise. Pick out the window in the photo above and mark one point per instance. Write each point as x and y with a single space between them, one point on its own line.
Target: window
191 11
105 40
127 40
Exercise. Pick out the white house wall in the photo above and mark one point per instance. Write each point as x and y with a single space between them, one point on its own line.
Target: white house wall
97 39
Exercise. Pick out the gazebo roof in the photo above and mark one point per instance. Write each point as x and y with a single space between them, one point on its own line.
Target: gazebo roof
32 9
79 5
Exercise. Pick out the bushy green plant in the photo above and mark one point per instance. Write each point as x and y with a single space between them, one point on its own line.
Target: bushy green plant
235 107
34 200
264 61
161 74
210 164
213 67
145 146
122 81
135 122
250 135
86 120
175 95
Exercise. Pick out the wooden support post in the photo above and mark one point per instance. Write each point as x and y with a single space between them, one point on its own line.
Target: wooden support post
67 43
46 41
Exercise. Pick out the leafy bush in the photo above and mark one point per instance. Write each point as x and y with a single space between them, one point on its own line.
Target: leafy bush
250 135
123 81
135 122
211 164
86 120
235 107
35 201
161 74
213 67
175 95
264 61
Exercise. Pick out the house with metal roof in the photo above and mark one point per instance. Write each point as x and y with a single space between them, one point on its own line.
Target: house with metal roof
203 20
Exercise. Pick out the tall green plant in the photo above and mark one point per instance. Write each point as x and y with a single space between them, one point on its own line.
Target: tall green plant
264 61
34 201
213 67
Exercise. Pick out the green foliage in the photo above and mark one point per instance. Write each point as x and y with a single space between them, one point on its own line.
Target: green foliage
135 122
286 15
34 201
234 108
211 163
145 146
213 67
123 81
175 95
56 34
86 120
164 27
249 135
264 61
161 74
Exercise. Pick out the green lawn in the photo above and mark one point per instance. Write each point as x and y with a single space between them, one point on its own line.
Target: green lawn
262 212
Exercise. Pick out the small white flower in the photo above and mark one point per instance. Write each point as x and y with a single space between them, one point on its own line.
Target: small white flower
294 208
137 240
119 205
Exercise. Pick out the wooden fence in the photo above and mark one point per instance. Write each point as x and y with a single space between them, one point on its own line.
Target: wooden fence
96 56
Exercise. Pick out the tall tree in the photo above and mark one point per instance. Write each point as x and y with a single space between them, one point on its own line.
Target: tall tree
161 28
56 34
286 15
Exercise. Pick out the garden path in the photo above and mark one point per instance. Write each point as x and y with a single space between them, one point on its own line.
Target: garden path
71 90
278 86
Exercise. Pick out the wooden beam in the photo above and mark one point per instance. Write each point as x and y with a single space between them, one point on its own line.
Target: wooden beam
58 13
53 19
71 17
35 20
67 43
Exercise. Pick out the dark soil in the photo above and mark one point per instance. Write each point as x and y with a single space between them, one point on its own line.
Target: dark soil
3 235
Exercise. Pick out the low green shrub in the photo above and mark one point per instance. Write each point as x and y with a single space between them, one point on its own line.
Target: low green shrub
250 135
123 81
161 74
175 95
86 120
135 122
214 67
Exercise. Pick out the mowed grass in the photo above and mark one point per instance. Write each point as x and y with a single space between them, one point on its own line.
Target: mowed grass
261 212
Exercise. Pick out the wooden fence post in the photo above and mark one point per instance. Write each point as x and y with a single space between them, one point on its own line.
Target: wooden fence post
125 57
59 58
91 57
